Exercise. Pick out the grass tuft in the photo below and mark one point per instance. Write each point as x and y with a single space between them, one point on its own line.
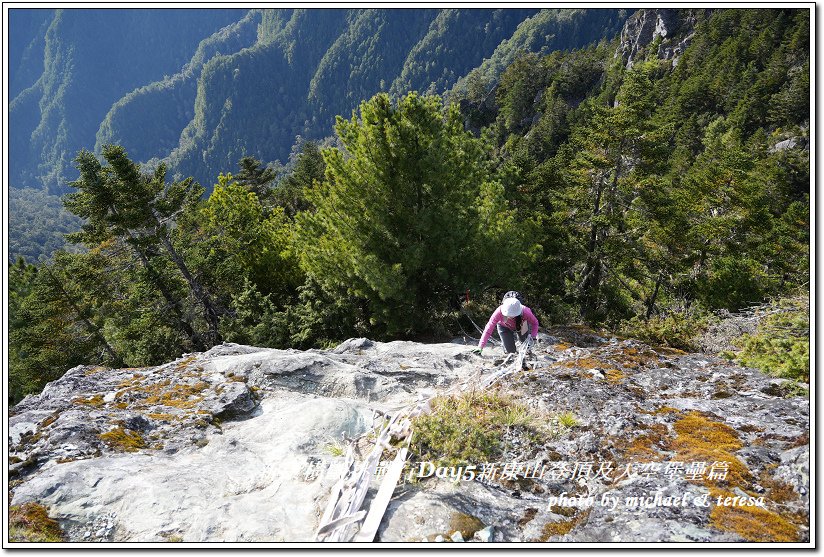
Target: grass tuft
567 420
30 522
336 449
469 428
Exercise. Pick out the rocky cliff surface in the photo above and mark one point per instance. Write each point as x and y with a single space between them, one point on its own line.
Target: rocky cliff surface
670 31
626 443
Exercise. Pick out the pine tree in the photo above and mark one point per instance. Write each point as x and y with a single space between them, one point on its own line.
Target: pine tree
241 241
55 322
407 217
255 177
118 201
612 161
309 169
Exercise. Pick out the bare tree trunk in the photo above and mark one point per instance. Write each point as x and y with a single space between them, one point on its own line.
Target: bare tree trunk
592 274
651 301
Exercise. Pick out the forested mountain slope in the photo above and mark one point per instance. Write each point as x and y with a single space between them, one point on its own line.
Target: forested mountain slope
687 141
206 87
89 60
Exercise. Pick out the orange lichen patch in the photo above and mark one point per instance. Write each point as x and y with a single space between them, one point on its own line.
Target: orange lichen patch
615 362
528 515
700 439
753 523
95 370
800 441
751 429
614 375
561 527
50 420
647 445
633 358
123 439
561 346
161 417
94 400
133 380
184 363
668 351
557 529
777 490
179 396
701 430
584 363
568 512
665 410
135 389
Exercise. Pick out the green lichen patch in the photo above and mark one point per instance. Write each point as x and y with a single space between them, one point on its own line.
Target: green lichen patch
466 524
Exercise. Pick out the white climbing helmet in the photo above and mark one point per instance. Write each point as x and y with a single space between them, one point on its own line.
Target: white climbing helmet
511 307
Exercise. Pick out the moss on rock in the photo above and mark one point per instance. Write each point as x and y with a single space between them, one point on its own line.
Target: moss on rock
30 522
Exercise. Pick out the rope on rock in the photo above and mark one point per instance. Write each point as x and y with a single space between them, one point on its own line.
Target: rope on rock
343 512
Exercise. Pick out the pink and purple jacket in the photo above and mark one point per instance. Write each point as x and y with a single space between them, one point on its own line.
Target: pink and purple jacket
509 323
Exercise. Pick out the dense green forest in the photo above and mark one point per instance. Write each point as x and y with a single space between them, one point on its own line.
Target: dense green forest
640 197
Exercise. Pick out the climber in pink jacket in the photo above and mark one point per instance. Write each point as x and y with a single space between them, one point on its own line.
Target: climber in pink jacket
511 318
